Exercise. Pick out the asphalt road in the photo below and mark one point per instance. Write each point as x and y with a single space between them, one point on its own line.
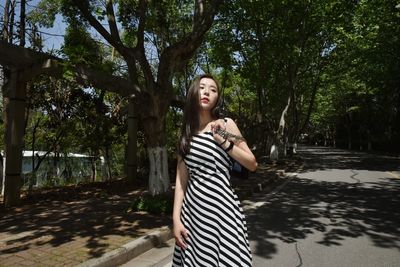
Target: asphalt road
342 209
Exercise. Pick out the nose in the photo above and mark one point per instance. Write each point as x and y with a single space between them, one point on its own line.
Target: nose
206 91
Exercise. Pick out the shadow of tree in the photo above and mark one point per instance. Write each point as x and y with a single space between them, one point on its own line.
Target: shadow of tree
321 158
335 209
93 220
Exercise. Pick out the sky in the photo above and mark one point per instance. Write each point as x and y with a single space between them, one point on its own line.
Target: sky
53 37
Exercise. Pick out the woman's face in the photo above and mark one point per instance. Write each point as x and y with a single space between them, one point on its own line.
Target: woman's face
208 94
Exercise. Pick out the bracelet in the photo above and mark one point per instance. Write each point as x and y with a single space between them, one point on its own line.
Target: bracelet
231 144
223 142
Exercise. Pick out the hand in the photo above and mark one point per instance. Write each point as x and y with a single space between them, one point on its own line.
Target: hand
181 235
218 124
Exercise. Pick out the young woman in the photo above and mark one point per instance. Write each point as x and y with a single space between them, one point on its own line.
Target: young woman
209 225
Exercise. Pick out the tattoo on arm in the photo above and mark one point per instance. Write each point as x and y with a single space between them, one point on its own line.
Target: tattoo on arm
227 135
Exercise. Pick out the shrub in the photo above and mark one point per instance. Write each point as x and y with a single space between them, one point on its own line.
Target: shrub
160 204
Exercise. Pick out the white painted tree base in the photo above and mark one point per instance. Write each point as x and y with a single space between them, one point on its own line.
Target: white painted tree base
158 176
274 154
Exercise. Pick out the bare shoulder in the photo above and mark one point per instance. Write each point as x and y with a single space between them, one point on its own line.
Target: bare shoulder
232 127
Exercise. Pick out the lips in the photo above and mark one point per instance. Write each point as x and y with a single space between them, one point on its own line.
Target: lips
205 100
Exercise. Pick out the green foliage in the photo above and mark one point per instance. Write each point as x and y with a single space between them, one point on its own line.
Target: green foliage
174 119
338 59
238 99
64 118
159 204
45 13
166 21
80 47
273 50
360 100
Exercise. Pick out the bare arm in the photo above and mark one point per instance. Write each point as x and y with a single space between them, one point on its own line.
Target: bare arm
240 151
182 176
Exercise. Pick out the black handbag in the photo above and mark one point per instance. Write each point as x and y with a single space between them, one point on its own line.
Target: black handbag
238 171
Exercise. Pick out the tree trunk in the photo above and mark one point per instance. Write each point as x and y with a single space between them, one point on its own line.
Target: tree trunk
349 144
94 169
154 126
349 121
282 121
22 24
6 77
131 155
2 174
158 177
274 153
4 33
281 131
107 163
5 103
11 22
15 112
56 167
32 177
369 143
334 137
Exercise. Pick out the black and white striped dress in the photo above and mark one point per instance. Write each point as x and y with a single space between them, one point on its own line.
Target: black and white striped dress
211 210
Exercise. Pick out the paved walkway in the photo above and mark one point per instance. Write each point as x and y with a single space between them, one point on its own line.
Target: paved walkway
71 227
68 232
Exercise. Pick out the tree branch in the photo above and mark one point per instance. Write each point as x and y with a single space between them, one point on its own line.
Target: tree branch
35 63
177 55
111 21
140 51
83 6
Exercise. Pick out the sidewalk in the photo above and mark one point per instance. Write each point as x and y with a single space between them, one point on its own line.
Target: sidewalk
94 229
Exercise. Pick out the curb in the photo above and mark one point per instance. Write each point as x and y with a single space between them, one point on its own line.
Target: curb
130 250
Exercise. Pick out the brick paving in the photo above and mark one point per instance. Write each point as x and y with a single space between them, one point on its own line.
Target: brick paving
68 232
70 228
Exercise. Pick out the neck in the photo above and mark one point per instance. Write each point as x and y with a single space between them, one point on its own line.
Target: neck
204 118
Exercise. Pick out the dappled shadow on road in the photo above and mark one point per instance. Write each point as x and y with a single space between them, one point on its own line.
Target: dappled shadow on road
318 158
334 210
88 221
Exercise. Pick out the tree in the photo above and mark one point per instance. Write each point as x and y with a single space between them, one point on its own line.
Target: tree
22 65
147 33
362 84
281 49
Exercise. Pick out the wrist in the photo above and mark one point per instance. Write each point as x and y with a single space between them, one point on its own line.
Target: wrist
225 145
229 147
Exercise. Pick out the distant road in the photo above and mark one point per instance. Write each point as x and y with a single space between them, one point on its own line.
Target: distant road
342 209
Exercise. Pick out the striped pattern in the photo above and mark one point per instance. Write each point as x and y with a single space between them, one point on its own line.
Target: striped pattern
211 212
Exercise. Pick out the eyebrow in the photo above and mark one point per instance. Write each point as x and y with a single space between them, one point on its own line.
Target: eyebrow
210 85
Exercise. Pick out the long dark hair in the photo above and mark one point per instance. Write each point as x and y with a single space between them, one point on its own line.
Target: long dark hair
190 124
